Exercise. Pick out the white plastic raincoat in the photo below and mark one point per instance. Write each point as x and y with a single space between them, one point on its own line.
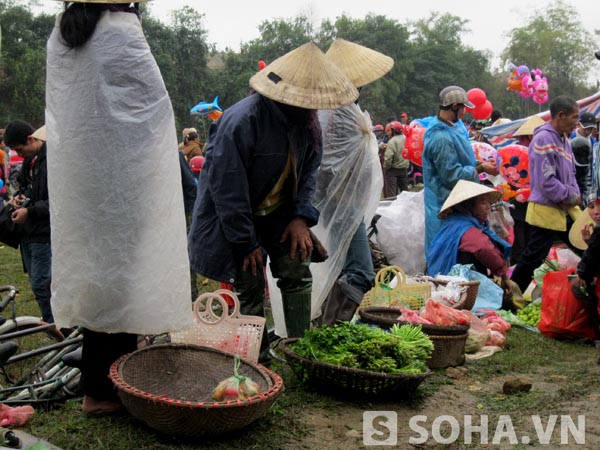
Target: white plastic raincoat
119 248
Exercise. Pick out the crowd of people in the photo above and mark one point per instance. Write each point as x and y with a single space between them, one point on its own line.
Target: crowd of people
116 228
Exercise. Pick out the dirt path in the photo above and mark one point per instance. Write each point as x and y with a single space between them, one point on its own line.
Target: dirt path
557 397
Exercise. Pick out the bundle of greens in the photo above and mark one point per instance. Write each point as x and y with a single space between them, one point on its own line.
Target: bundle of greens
404 349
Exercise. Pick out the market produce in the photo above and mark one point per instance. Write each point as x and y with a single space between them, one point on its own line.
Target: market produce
439 314
236 387
531 314
402 350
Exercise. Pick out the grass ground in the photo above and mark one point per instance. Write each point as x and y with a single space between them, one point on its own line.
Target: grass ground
562 375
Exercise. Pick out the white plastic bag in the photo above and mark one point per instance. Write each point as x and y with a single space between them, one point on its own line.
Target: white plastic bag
401 232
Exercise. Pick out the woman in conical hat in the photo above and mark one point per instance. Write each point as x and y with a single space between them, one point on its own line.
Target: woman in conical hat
119 244
466 237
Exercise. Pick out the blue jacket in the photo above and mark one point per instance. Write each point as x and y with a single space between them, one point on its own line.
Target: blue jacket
246 154
443 251
447 158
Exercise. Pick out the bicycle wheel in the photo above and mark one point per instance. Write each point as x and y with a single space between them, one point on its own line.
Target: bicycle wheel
30 334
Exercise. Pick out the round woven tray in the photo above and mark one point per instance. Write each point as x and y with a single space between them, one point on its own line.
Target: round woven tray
347 381
448 351
388 317
169 387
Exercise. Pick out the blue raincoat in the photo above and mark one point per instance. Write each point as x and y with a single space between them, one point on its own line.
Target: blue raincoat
447 158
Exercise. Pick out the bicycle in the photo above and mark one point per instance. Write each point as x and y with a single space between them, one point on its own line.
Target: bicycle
31 357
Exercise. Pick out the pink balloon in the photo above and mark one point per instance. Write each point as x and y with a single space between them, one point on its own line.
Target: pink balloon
477 96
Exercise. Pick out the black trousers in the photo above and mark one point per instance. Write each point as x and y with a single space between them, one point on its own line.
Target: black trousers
539 242
100 350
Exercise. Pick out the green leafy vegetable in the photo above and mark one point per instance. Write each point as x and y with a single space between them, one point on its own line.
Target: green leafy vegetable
403 350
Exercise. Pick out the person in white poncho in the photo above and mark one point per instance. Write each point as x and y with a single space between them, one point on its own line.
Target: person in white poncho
120 264
348 189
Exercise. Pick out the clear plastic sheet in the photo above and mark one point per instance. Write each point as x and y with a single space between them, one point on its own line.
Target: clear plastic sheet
348 190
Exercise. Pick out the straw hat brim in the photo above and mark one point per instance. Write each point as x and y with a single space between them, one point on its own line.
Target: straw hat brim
530 124
575 232
360 64
305 78
464 190
40 133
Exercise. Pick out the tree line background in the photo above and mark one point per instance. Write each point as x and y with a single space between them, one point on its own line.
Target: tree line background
428 54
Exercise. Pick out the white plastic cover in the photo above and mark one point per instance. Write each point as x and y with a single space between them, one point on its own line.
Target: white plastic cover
120 261
348 189
401 232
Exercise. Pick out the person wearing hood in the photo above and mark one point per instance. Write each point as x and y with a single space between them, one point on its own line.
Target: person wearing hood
554 189
448 156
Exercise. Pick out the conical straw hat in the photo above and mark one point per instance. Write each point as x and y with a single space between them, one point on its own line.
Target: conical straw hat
40 133
305 78
361 64
575 232
465 190
530 124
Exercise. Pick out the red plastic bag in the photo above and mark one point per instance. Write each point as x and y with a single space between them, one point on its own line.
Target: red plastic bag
439 314
413 145
563 317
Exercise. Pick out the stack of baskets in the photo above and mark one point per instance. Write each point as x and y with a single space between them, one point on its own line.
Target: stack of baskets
169 387
448 340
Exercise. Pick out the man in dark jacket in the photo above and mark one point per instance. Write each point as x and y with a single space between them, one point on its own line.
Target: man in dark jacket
256 184
32 211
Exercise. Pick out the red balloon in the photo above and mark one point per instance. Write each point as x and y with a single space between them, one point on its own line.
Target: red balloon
483 112
261 64
477 96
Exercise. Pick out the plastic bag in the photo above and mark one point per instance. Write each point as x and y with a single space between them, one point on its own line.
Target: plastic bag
489 295
478 335
563 317
400 232
566 258
439 314
236 387
412 316
502 222
448 294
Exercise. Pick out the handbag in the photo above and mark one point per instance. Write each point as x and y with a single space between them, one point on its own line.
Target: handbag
230 331
10 233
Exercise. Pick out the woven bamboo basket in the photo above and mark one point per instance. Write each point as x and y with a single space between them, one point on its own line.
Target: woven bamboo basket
388 317
169 387
346 381
448 351
407 295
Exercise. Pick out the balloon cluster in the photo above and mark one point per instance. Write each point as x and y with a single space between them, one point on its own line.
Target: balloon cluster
482 106
528 83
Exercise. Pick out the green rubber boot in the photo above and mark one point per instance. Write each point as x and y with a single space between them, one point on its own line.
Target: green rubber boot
296 311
